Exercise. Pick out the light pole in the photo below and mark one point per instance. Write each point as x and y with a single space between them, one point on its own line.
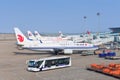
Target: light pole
84 21
98 14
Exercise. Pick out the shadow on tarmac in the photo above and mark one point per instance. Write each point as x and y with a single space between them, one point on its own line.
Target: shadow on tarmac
32 53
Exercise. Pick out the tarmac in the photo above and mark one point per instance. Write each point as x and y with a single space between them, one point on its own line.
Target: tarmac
13 65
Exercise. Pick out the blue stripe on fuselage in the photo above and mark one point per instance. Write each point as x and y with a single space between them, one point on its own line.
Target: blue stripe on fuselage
60 47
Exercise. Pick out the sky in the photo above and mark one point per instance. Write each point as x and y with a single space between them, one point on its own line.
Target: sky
52 16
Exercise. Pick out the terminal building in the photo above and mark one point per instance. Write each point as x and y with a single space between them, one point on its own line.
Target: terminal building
115 29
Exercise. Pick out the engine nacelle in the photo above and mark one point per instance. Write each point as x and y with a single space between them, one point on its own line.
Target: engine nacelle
68 51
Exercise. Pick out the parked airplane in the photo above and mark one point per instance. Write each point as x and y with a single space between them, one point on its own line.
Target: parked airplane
99 40
61 37
22 40
49 38
66 47
31 36
45 39
37 35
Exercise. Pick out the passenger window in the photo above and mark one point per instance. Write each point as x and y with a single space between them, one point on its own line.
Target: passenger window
47 63
50 63
66 61
38 64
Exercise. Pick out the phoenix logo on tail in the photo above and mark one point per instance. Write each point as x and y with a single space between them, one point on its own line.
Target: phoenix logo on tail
20 38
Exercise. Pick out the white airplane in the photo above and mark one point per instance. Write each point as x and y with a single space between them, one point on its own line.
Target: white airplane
22 40
31 36
99 40
49 38
60 38
66 47
37 35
